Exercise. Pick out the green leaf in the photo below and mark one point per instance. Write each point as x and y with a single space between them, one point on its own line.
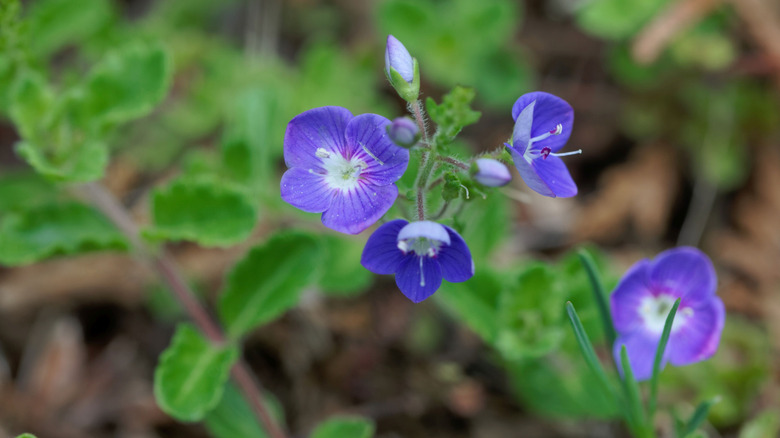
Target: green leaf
659 354
202 210
530 325
82 162
635 414
698 416
765 424
234 418
32 101
342 273
55 229
268 281
22 190
453 114
58 23
191 375
127 83
599 295
587 349
26 435
474 302
345 427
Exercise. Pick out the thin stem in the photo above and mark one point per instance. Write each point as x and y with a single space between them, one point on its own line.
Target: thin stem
454 162
426 167
441 211
167 269
416 110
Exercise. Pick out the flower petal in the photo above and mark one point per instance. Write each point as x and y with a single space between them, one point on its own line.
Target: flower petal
355 210
397 57
455 259
418 280
521 134
627 298
698 337
306 190
367 138
555 175
549 111
684 272
427 229
381 254
641 347
313 129
529 174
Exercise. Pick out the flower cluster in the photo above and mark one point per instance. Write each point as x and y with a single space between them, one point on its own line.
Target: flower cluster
642 301
346 167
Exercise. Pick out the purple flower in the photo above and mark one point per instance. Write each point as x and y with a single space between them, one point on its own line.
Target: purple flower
542 127
398 58
491 173
403 132
642 301
341 166
419 254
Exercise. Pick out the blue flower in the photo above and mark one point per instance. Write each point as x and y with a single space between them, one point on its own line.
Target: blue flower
341 166
543 125
419 254
642 301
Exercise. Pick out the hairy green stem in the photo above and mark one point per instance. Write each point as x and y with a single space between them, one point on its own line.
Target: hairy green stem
164 265
455 162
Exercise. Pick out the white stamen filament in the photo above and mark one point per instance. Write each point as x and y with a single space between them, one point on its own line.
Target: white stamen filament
372 155
578 151
557 131
422 274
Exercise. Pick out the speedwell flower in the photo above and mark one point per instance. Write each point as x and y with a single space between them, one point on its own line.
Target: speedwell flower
419 254
642 301
543 125
491 173
341 166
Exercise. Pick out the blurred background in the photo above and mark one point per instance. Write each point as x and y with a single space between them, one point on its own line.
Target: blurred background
677 112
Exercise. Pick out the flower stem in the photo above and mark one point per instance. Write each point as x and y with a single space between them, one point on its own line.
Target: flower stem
164 265
417 111
454 162
426 163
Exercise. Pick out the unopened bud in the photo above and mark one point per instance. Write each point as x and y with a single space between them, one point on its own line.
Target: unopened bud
403 132
402 70
491 173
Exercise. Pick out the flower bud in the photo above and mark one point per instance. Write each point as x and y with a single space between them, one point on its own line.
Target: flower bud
403 132
491 173
402 70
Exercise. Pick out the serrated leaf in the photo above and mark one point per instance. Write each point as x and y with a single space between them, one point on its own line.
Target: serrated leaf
128 83
345 427
31 102
58 23
530 321
342 273
82 162
54 229
191 375
453 114
202 210
268 281
233 418
22 190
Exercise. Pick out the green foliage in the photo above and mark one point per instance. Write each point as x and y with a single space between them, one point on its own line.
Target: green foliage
268 281
475 302
127 83
617 19
13 53
31 103
765 424
23 190
341 273
529 321
697 418
26 435
441 36
31 235
191 375
345 427
484 224
453 114
60 23
234 418
202 210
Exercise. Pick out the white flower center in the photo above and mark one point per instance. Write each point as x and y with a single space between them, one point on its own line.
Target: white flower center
341 173
655 310
421 246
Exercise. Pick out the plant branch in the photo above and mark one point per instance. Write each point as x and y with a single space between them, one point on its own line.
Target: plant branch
164 265
454 162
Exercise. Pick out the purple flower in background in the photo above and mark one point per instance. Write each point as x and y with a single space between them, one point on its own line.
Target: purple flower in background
341 166
491 173
419 254
543 125
403 132
398 58
642 301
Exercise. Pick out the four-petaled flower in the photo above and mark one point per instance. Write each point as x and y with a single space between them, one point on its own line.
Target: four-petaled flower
419 254
543 125
642 301
341 166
